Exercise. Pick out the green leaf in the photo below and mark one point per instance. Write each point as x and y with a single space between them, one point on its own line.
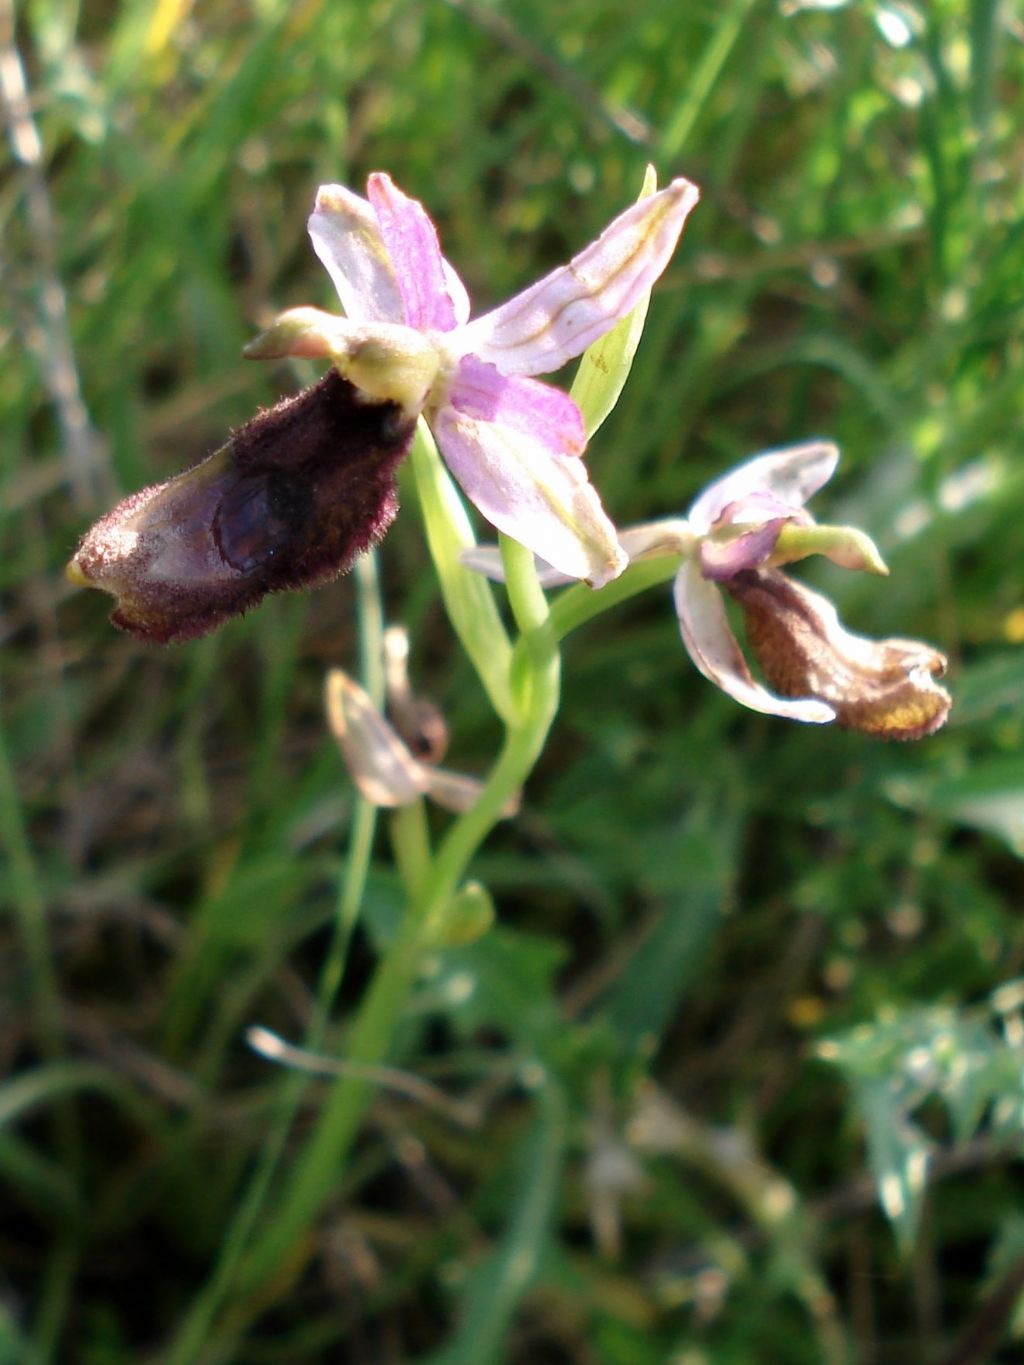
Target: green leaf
499 1283
989 796
666 963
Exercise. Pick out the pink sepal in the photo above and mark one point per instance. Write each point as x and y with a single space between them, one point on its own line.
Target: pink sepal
346 236
541 499
777 482
410 240
558 317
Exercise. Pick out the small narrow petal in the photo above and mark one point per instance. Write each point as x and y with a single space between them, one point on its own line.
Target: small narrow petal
540 498
456 291
715 650
346 236
789 477
540 411
411 241
651 540
721 559
561 315
379 763
487 560
880 687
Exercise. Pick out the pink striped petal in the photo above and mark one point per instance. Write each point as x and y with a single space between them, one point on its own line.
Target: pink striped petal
779 481
411 241
545 414
557 318
346 236
715 650
539 497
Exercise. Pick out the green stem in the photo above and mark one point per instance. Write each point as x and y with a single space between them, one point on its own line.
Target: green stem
410 841
579 604
371 627
30 908
468 598
317 1172
536 672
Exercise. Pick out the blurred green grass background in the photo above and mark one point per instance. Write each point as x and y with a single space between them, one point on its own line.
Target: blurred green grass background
771 971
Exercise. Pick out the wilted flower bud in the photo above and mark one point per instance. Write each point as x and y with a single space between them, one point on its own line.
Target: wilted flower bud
288 502
382 766
418 722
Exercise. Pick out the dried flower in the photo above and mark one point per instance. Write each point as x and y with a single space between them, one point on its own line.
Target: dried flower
512 442
381 765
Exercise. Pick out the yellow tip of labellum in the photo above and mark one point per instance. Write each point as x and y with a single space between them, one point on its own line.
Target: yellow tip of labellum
75 574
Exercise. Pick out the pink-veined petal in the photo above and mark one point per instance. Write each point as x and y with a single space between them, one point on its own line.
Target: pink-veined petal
773 482
715 650
411 241
533 494
558 317
346 236
538 410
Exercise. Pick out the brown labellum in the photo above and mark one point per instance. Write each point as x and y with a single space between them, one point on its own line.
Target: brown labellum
880 687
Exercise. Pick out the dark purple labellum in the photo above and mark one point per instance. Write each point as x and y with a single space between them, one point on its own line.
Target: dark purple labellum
289 502
261 516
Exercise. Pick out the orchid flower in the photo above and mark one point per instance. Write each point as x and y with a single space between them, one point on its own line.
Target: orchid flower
511 441
301 490
736 537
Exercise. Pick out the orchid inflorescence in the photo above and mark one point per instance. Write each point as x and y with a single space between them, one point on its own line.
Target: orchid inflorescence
302 489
